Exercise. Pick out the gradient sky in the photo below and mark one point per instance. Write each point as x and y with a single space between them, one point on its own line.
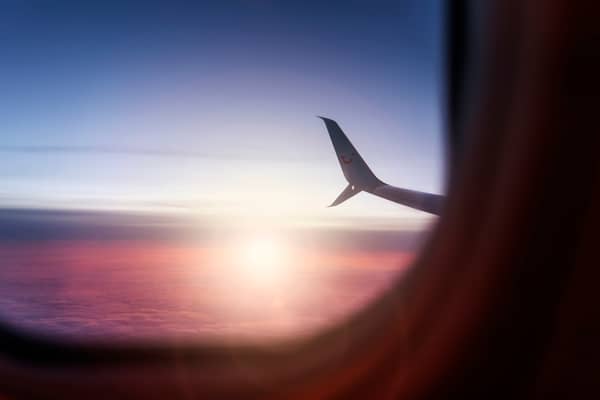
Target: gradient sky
210 106
163 171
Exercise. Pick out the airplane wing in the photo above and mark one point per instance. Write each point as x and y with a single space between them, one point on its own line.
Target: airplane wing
361 178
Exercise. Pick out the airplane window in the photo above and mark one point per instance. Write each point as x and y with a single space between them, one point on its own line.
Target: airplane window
233 168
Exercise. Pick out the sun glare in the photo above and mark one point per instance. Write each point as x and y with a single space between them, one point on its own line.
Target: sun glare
263 259
263 251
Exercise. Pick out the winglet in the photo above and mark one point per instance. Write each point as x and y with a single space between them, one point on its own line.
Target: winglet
356 171
361 178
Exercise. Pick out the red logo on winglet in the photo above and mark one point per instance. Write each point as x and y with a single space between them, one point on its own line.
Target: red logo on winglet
347 160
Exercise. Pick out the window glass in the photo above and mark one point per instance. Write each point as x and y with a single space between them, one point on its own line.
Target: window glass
164 172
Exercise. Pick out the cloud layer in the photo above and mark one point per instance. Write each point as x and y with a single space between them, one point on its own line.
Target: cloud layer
63 273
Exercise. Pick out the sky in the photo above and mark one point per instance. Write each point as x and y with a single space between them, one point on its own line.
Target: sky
210 107
163 170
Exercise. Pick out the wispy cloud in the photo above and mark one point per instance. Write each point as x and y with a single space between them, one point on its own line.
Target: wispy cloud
138 151
241 154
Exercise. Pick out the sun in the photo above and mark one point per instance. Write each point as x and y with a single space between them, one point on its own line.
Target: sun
263 258
263 251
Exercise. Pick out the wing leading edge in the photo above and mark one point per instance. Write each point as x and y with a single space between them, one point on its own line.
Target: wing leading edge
361 178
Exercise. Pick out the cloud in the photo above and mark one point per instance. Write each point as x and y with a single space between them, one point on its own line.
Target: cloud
91 274
44 224
157 289
241 154
30 225
110 150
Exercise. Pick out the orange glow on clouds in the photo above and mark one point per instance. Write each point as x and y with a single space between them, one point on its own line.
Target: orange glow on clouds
150 288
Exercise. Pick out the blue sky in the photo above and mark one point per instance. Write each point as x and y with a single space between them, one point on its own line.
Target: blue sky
210 107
